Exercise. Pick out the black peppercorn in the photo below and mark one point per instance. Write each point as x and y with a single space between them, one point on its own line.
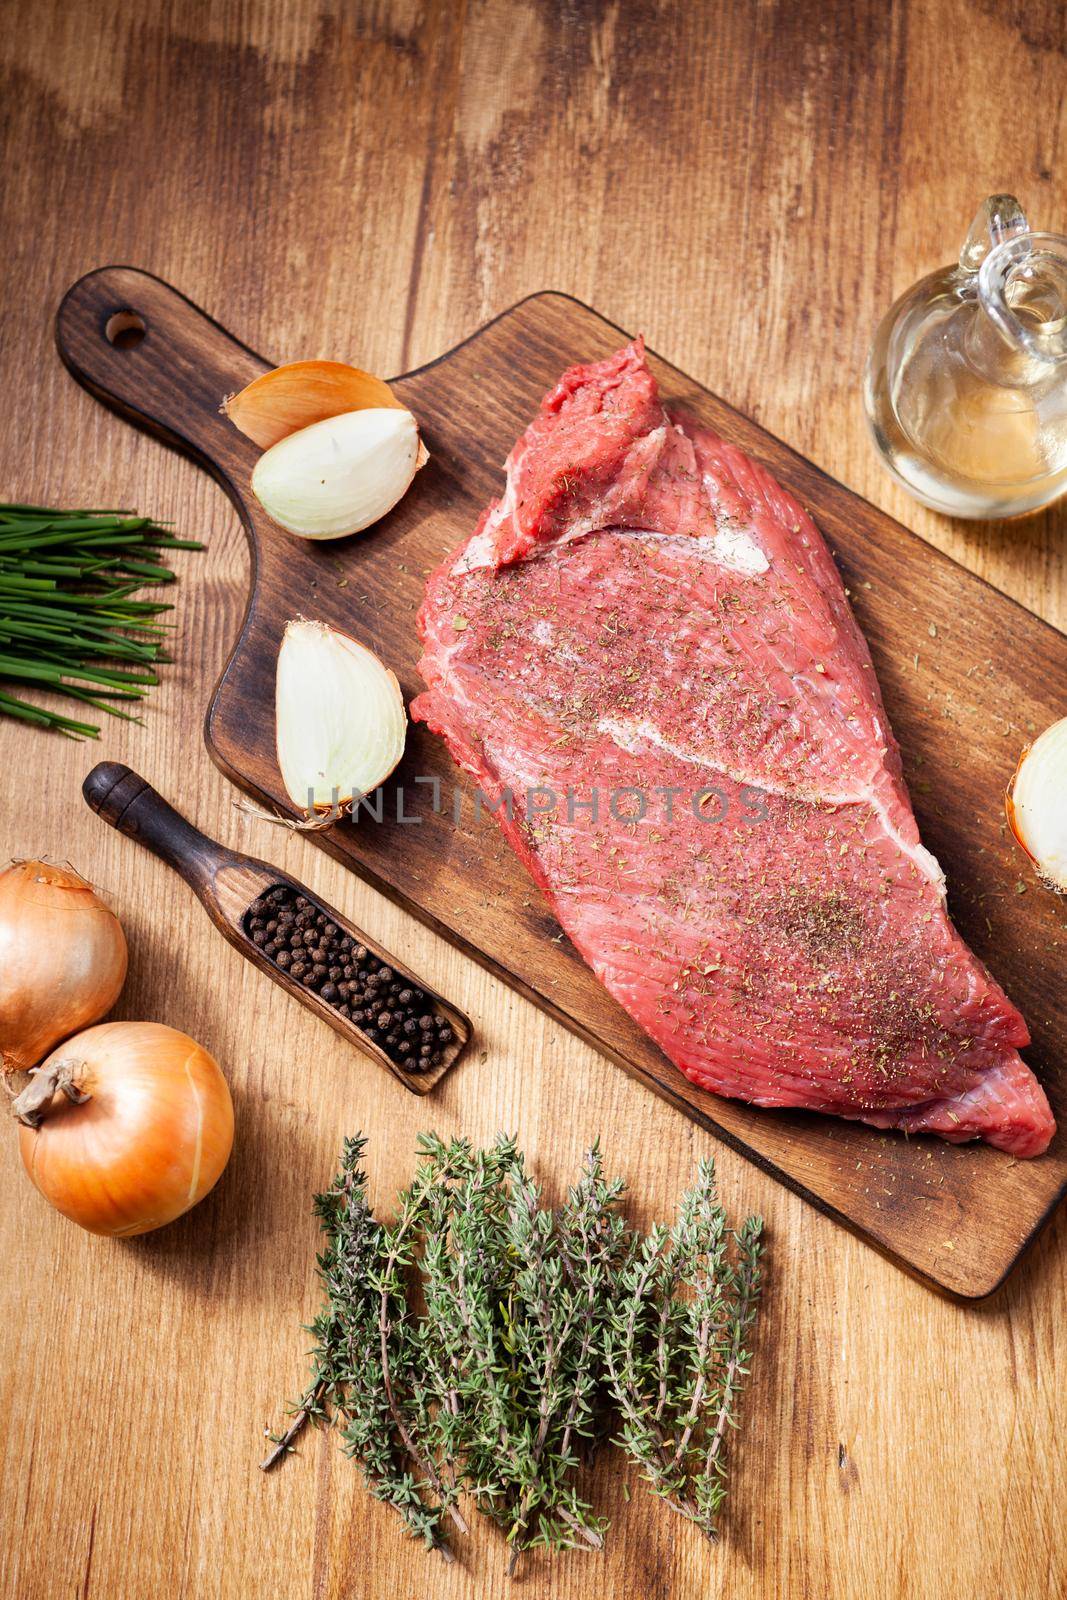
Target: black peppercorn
305 941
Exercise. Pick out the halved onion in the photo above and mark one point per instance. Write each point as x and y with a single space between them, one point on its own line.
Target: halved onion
338 476
300 393
341 723
1036 804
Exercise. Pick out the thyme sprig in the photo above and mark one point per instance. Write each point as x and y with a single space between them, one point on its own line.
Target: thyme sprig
675 1349
477 1343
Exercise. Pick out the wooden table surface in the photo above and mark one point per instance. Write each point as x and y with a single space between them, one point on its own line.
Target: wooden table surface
750 184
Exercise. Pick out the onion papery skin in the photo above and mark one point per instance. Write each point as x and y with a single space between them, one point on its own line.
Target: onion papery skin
295 396
62 959
150 1142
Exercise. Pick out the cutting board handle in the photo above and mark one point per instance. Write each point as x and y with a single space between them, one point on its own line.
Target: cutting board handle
131 805
158 360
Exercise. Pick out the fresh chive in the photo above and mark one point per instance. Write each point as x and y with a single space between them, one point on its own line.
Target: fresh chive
69 622
12 707
128 569
8 510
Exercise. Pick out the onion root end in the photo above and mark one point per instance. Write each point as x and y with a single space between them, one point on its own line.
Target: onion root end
32 1104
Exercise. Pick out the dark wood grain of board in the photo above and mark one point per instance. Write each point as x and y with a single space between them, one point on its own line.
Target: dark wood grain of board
961 667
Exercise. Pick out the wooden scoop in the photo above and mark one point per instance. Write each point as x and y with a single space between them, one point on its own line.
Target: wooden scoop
229 883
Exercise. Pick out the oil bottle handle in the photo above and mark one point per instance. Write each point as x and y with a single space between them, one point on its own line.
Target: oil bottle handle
998 218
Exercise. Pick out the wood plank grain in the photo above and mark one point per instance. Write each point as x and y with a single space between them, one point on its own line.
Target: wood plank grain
751 184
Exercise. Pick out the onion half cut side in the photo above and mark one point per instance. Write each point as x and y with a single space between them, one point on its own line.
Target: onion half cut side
1036 804
340 475
341 725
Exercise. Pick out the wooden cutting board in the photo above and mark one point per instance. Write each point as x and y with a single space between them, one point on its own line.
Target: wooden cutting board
968 676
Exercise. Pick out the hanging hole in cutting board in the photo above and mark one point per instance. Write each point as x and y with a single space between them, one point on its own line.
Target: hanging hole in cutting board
125 329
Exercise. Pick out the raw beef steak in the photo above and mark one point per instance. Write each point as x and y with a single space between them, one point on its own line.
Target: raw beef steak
645 657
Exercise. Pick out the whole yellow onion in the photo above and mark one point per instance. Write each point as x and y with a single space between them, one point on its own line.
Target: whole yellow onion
126 1126
62 959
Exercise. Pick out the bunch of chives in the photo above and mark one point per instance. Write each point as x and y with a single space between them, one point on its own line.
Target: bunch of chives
68 619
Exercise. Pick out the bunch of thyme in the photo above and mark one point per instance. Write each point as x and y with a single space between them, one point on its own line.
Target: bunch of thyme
675 1350
478 1342
514 1293
366 1369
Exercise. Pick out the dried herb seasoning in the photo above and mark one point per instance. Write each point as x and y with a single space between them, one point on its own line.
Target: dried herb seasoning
484 1345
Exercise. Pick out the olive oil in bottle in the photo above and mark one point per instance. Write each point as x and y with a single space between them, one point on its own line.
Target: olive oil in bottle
966 382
